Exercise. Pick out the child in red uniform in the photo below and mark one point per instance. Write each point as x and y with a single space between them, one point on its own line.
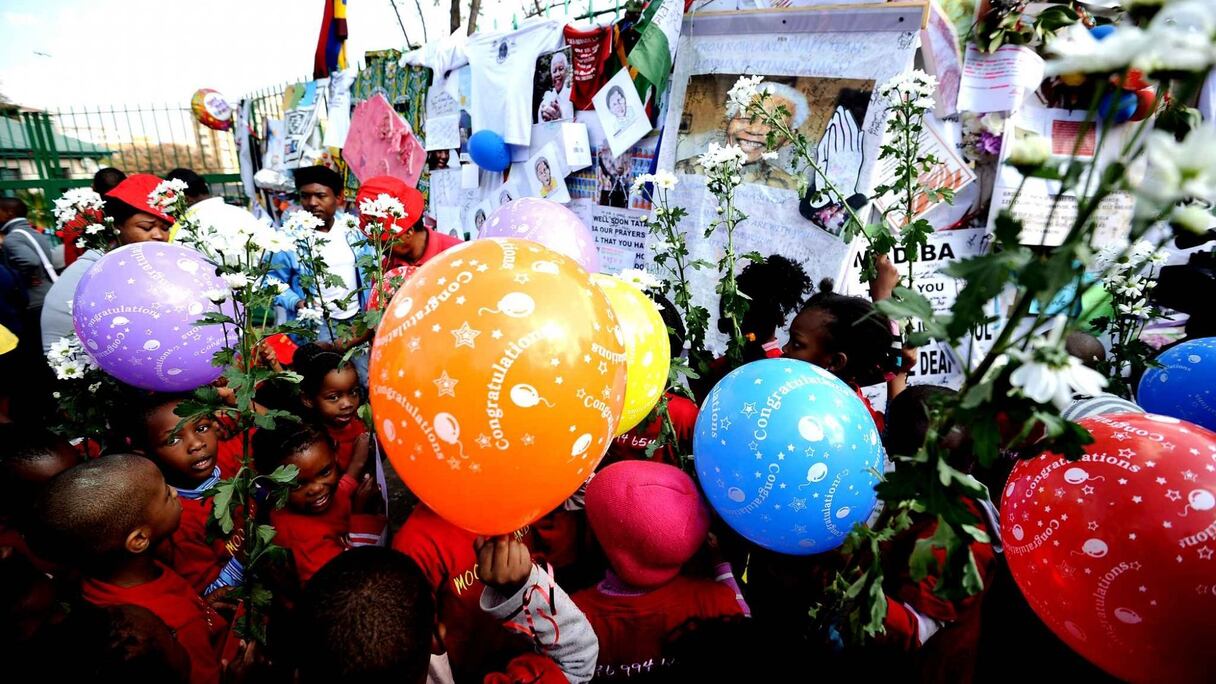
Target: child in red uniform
650 520
369 616
850 338
476 643
328 511
329 390
192 460
28 460
107 517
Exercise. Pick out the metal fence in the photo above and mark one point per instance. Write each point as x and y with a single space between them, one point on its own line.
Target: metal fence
45 153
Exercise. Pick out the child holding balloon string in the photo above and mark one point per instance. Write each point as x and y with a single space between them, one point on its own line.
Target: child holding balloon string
329 509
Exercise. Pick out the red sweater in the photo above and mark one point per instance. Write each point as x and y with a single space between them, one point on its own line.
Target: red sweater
188 552
632 629
194 623
476 642
632 445
344 437
314 540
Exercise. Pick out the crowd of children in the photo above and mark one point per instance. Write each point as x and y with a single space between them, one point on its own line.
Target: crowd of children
117 557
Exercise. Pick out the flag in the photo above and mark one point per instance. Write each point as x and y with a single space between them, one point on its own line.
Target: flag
651 58
331 45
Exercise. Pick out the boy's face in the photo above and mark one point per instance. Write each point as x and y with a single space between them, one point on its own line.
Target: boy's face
317 481
163 512
338 399
188 457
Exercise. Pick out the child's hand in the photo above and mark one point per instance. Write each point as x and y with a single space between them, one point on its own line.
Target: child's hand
268 358
224 601
504 563
908 356
367 497
358 457
886 281
245 663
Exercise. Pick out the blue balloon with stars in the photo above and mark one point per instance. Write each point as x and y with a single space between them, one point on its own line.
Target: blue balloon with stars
788 455
1184 386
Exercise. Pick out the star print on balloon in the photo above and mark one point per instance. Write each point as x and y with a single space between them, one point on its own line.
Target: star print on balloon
1110 550
477 369
137 311
788 455
1184 384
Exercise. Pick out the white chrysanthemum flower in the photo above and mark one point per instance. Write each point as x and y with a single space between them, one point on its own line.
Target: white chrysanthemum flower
1049 374
1192 218
666 180
165 195
69 370
1180 170
745 90
640 182
235 280
383 206
1029 150
309 314
915 87
301 225
75 202
94 387
722 160
216 296
640 279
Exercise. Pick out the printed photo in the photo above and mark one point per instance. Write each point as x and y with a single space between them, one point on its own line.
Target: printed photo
544 175
829 111
442 159
608 182
552 87
621 113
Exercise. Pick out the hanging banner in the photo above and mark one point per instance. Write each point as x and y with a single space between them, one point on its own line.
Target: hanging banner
824 66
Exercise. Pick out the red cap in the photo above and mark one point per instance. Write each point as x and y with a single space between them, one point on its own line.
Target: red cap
649 518
134 190
396 188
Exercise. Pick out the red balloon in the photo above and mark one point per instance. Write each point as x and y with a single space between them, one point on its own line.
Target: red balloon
1115 551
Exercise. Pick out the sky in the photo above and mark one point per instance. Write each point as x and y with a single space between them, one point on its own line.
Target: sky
60 53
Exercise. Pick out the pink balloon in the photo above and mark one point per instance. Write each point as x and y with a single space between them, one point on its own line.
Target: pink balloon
546 222
137 310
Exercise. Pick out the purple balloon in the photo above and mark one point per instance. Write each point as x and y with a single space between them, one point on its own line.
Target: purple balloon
136 312
546 222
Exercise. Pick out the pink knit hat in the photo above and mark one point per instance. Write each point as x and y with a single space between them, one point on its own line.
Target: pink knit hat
649 519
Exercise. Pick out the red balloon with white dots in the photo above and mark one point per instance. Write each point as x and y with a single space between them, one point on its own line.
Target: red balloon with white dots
1116 552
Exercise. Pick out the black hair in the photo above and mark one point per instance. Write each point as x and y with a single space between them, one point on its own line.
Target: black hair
775 288
107 179
14 206
147 404
119 211
1085 347
313 362
323 175
272 447
366 616
196 186
858 330
124 643
671 318
85 513
616 89
907 418
20 447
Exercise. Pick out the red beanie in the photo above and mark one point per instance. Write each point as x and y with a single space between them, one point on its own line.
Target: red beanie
396 188
649 519
134 190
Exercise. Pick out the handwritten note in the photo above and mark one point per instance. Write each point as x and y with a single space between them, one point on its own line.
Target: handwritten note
998 82
442 121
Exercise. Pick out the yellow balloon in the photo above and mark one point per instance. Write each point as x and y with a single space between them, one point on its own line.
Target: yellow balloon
647 349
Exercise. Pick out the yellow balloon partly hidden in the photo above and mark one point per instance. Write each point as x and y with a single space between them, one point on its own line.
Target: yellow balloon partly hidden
647 349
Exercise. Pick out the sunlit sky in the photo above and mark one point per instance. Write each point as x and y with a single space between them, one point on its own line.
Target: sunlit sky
59 53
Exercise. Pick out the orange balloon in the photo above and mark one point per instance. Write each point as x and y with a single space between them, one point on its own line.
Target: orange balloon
497 381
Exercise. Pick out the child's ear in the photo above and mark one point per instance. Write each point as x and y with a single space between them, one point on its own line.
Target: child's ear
838 362
139 539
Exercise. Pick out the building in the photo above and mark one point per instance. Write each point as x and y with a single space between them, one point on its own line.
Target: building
27 139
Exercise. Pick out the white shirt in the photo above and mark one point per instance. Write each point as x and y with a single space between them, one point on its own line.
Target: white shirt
504 69
340 260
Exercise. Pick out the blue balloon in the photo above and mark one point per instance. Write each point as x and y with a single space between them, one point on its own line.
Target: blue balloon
1125 105
788 455
1184 387
489 151
1101 31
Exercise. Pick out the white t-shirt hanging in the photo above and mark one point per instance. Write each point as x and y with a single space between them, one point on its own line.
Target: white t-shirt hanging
340 260
504 65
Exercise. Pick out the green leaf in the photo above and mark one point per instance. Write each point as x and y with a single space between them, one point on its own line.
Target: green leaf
283 475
